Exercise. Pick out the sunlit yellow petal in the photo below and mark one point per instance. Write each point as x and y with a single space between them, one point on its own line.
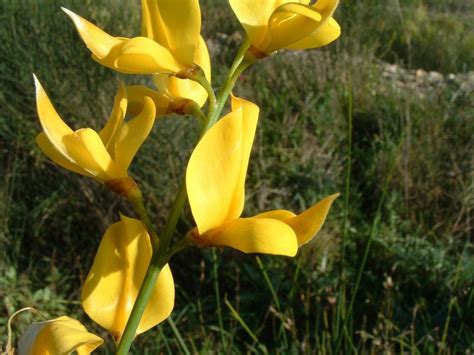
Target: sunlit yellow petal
151 21
136 95
326 7
288 24
85 147
133 133
109 132
307 224
53 126
254 16
280 215
250 113
254 235
175 24
201 58
214 175
325 34
60 336
141 55
52 153
213 172
113 283
99 42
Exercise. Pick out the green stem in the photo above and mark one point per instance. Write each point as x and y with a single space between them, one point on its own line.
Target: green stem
178 246
144 294
281 315
373 231
225 90
161 251
239 56
173 218
137 202
157 261
202 80
340 312
215 267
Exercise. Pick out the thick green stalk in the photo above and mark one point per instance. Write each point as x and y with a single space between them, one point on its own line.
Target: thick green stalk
162 252
225 90
158 260
146 289
137 202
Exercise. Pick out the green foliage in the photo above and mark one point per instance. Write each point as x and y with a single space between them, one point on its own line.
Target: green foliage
415 292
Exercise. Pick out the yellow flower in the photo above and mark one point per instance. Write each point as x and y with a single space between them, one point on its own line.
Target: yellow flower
103 156
112 286
215 181
284 24
60 336
169 43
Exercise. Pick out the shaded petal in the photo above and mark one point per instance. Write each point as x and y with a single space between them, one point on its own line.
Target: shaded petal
325 34
53 126
52 153
60 336
254 235
114 280
109 133
214 173
85 147
307 224
136 95
175 24
133 133
185 88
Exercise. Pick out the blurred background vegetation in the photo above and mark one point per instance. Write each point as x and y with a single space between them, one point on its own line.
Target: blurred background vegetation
384 115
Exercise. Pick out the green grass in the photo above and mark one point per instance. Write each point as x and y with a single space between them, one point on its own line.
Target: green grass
415 292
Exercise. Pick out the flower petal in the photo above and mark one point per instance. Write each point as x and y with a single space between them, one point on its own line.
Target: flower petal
60 336
85 147
53 126
185 88
136 95
288 24
111 288
175 24
280 215
254 235
325 34
307 224
109 133
326 8
52 153
99 42
133 133
253 15
139 55
215 176
250 113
